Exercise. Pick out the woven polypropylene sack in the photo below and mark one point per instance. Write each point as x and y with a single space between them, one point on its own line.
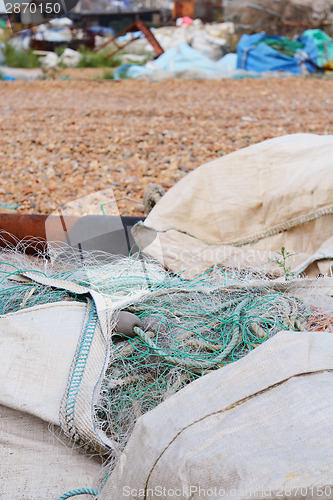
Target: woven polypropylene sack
259 428
42 387
239 210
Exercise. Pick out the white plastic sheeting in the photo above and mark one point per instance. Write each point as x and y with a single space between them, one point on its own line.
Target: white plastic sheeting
70 58
217 35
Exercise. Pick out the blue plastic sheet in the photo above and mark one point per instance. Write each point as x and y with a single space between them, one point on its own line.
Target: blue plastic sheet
262 57
101 30
228 62
184 58
178 60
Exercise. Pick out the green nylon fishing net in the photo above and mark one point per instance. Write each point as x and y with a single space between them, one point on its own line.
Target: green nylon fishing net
285 46
324 44
189 327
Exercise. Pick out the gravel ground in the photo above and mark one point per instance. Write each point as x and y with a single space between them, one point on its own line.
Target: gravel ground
61 140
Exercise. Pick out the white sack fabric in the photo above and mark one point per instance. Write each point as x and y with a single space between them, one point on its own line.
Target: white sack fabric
261 427
60 366
52 358
241 209
35 464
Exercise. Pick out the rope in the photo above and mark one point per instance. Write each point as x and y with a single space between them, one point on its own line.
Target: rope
192 363
284 226
81 491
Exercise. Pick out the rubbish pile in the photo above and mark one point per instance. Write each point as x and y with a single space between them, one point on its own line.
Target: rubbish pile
185 62
192 49
257 55
210 39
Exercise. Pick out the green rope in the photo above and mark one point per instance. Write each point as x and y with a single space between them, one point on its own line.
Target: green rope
81 491
198 363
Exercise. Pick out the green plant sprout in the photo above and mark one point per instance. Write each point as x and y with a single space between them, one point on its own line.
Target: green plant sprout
281 261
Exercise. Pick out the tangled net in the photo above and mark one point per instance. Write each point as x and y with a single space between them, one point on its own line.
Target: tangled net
190 327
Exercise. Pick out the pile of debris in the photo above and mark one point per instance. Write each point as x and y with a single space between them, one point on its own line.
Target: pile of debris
257 55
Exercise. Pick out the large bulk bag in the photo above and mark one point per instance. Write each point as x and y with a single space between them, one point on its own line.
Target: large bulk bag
241 209
259 428
53 358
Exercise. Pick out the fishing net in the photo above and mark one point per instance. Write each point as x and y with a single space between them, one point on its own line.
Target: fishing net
189 327
283 45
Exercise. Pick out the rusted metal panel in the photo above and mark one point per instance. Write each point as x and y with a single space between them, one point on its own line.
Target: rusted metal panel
21 228
150 37
30 233
136 26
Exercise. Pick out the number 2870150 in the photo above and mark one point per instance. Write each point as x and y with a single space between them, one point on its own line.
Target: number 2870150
32 8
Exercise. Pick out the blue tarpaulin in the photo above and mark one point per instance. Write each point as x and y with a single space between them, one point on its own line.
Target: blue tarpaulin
176 59
253 55
179 60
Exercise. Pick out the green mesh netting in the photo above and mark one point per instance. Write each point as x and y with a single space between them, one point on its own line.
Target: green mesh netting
190 327
284 45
